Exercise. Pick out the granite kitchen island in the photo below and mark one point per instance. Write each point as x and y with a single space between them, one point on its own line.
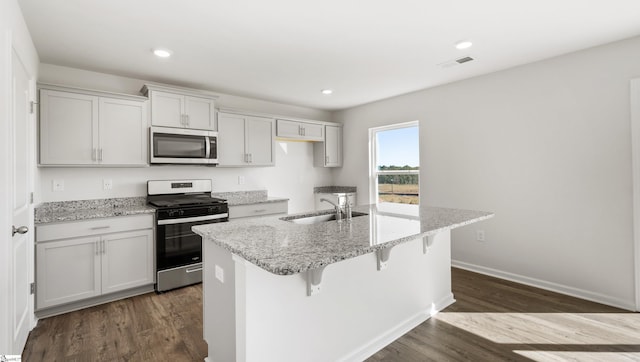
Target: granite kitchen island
277 290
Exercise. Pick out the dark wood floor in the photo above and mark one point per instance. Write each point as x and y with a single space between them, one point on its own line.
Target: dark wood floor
492 320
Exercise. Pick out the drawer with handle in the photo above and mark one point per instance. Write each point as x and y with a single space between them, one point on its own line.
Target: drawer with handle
267 208
72 229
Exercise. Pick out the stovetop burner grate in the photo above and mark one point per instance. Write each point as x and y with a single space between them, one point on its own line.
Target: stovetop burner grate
183 200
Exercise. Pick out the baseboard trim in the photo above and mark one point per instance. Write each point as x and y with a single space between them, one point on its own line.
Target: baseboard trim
542 284
446 301
385 339
398 331
91 302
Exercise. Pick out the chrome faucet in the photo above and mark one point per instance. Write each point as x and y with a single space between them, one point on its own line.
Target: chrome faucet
338 208
347 208
343 208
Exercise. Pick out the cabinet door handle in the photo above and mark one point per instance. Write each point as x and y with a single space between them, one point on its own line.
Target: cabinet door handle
326 159
250 158
100 155
104 247
96 248
260 210
304 131
100 227
94 154
188 120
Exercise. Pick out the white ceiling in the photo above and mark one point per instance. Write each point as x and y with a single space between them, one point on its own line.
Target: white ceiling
288 50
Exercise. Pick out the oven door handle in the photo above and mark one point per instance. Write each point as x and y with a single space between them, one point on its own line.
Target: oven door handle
207 147
193 219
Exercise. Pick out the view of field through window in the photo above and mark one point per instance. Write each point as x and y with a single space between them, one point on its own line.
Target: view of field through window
398 165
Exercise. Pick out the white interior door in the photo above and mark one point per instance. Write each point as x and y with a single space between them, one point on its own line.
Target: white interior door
21 263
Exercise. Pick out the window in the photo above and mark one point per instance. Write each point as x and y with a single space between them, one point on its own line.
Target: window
395 163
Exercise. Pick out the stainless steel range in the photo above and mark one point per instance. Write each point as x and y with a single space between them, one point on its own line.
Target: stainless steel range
180 205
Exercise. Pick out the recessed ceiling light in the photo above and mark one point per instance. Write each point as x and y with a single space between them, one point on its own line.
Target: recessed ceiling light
327 91
162 53
463 44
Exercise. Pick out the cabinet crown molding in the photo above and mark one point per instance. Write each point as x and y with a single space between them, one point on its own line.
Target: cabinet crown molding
244 112
174 89
93 92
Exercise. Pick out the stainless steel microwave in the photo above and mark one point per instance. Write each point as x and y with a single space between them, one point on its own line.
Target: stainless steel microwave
183 146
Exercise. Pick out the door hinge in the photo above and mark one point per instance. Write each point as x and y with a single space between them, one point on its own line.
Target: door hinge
33 288
33 106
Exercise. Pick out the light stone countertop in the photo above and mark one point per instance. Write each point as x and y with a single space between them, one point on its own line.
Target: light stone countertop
236 198
284 248
76 210
334 189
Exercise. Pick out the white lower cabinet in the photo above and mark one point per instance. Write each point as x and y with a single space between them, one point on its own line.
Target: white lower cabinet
71 267
67 270
127 260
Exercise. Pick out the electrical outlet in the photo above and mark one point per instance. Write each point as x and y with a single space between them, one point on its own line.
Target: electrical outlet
220 274
480 235
107 184
57 185
240 180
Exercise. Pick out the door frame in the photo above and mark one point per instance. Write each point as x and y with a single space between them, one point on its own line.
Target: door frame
635 156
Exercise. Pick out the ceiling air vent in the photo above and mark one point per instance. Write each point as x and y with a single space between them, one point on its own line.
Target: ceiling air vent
455 62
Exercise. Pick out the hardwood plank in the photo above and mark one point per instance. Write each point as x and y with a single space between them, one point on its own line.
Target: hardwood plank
499 320
492 320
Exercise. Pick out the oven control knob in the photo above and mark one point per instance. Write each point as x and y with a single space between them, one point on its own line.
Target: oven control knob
172 213
181 212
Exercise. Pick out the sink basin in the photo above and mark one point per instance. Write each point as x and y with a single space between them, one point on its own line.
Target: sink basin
318 218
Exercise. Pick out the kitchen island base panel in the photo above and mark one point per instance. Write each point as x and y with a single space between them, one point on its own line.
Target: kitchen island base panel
256 315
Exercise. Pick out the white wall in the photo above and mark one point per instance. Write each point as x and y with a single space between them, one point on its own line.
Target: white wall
546 146
293 176
13 34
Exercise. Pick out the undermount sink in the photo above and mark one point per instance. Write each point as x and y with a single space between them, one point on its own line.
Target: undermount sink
318 218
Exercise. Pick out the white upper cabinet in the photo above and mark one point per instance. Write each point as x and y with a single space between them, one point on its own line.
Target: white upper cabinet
329 152
87 128
66 117
231 140
245 140
300 131
167 109
201 113
180 108
123 132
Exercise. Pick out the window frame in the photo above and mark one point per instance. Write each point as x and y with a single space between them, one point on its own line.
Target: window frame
373 151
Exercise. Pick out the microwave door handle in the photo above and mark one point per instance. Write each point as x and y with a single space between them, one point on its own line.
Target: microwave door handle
207 147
